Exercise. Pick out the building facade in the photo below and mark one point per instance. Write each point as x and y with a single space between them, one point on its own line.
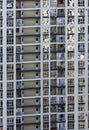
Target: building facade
44 61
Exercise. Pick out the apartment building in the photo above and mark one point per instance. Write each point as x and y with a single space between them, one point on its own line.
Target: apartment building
44 61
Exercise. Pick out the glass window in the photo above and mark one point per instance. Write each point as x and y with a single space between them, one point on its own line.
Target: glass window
10 58
10 94
81 2
10 40
9 22
9 4
10 112
10 103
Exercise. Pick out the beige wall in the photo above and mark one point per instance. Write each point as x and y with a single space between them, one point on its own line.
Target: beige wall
29 83
30 13
30 66
30 92
30 39
31 57
29 101
31 110
30 31
29 4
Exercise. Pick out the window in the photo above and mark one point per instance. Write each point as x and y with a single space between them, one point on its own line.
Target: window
10 58
70 90
46 118
81 55
70 125
70 73
45 74
1 5
10 120
1 13
81 20
81 64
10 14
10 50
70 2
1 76
10 76
10 112
81 99
18 120
10 67
9 32
1 68
45 83
70 107
81 89
70 99
10 40
10 94
81 37
45 56
81 72
45 91
71 65
81 124
81 2
0 41
10 128
81 107
70 117
9 4
9 22
81 81
10 86
46 100
10 103
70 55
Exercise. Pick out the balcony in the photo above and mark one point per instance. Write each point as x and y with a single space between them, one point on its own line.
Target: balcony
57 100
